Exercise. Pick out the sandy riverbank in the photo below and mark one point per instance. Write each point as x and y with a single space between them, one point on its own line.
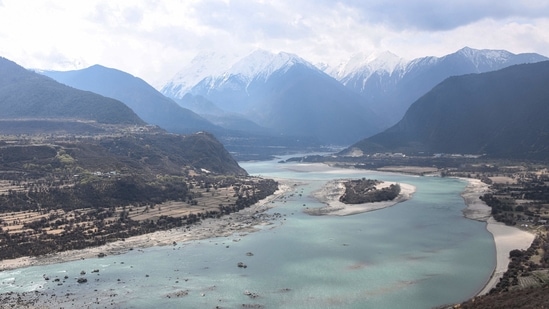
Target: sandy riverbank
330 193
242 222
506 238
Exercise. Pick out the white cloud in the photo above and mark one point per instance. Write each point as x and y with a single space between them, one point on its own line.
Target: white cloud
435 15
154 39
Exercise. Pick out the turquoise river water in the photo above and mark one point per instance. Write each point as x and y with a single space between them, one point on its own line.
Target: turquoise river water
421 253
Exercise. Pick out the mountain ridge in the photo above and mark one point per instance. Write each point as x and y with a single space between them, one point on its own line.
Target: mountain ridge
390 93
281 92
26 94
499 113
201 66
37 105
235 132
143 99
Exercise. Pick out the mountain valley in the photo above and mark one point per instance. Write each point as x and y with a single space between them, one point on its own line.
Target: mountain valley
274 154
79 169
288 96
266 104
82 169
386 86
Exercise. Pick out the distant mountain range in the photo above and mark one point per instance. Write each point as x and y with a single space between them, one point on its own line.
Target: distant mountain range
285 94
500 114
281 101
143 99
31 103
390 84
238 134
206 64
28 95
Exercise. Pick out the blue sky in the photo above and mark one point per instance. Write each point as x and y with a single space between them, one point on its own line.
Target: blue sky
155 39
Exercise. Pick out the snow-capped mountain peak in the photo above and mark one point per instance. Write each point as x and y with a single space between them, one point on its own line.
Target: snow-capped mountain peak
384 61
262 63
216 68
485 56
203 65
493 54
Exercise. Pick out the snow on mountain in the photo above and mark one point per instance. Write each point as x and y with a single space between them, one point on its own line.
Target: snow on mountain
261 64
324 67
214 70
473 60
237 88
419 62
257 66
367 64
289 96
385 82
203 65
390 85
142 98
486 59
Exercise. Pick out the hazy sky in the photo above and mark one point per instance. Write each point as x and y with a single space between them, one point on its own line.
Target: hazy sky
155 39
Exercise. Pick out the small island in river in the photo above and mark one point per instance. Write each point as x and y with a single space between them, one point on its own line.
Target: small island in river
365 191
347 197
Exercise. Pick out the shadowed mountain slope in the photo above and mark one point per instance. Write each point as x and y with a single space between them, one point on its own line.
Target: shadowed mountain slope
143 99
286 95
25 94
501 114
390 84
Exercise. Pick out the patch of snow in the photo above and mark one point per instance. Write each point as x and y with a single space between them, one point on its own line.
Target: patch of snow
367 64
213 70
203 65
262 63
485 56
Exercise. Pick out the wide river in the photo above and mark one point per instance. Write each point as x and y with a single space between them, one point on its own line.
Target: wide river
421 253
